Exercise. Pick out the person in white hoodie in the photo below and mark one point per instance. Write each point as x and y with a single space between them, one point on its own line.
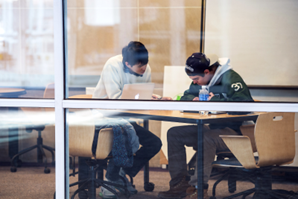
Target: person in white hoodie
128 68
224 84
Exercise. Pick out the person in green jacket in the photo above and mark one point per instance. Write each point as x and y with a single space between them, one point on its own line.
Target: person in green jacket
224 84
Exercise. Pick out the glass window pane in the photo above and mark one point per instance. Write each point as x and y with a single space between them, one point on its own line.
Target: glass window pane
26 47
98 30
261 45
89 136
24 169
170 31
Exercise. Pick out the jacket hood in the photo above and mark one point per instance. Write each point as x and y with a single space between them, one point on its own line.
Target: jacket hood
224 67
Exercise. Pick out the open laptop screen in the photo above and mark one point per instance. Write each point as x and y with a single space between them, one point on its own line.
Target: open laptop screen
138 91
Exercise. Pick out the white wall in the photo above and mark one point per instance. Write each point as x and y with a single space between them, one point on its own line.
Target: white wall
260 37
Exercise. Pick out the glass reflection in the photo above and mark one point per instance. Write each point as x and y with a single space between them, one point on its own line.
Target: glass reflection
26 47
27 152
179 132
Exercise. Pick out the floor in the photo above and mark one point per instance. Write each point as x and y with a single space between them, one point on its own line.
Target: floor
31 182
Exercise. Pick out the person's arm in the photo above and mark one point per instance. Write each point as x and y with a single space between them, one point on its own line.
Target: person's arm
191 93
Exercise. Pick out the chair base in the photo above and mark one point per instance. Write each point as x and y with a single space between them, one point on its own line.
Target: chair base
40 155
89 185
265 194
260 177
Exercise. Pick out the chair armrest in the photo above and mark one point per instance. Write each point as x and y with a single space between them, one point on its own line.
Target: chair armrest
241 147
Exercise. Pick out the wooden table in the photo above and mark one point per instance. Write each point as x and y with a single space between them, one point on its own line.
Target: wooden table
12 92
194 118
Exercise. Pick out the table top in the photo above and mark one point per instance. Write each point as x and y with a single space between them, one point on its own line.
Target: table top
11 92
178 116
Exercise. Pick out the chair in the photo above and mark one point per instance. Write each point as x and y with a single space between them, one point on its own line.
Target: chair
233 174
39 127
275 143
81 141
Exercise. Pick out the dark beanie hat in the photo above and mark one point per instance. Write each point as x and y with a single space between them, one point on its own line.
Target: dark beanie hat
197 63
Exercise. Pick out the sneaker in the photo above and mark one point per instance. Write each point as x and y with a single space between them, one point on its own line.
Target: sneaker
176 192
129 186
107 194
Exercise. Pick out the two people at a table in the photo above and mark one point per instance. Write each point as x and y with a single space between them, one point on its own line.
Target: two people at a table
224 85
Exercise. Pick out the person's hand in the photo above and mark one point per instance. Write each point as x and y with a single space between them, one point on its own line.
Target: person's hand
196 99
210 96
166 98
156 97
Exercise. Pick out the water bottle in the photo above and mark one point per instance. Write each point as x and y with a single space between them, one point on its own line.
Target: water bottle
204 94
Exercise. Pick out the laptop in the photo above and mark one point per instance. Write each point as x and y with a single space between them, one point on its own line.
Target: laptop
141 91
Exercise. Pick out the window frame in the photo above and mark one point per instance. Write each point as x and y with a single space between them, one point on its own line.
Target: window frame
61 104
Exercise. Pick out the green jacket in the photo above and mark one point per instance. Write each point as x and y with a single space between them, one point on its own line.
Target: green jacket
229 87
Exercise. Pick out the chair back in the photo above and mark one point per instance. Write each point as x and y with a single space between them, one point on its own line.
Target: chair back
81 140
49 91
275 138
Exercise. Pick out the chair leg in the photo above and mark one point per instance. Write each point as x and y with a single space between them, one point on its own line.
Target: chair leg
41 156
50 149
217 182
46 169
243 193
232 179
81 188
15 157
91 183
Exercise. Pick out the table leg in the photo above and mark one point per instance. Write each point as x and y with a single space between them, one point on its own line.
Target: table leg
146 167
200 159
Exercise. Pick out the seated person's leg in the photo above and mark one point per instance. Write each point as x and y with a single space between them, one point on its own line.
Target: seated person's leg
150 146
177 138
212 144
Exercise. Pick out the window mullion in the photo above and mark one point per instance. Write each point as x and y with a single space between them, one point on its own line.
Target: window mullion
61 179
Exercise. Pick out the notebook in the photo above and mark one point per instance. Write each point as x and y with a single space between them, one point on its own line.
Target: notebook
138 91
